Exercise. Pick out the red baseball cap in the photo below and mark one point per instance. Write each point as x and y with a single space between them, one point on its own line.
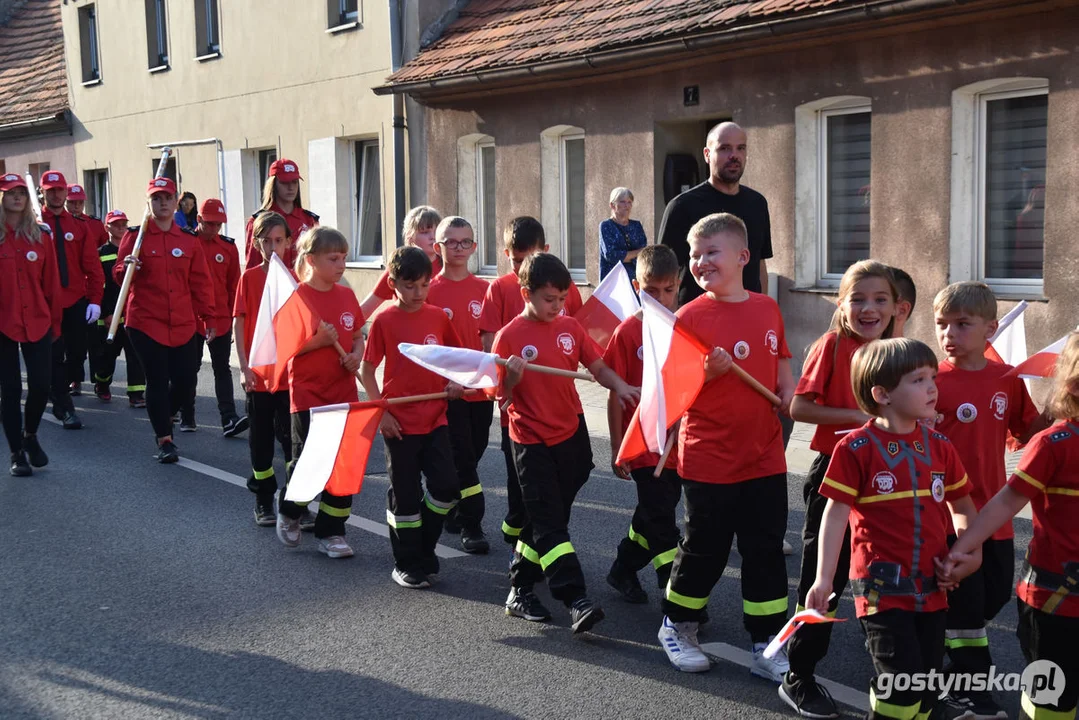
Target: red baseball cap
114 215
213 210
11 181
285 170
76 192
161 184
52 179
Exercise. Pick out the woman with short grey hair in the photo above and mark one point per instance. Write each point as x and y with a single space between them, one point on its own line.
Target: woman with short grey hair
620 239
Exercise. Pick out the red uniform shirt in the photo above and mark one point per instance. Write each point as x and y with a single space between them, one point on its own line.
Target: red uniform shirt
826 374
383 289
975 410
1048 474
462 301
897 486
29 288
545 407
318 377
223 262
85 278
625 355
172 286
298 220
96 229
401 376
731 433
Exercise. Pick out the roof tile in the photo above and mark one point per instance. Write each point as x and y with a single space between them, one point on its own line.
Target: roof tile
33 79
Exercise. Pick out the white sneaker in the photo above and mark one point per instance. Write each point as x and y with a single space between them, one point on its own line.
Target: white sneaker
335 547
288 530
679 641
769 668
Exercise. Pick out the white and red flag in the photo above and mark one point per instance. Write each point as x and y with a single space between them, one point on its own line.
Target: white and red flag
673 376
468 368
1009 343
1042 363
613 301
335 454
283 326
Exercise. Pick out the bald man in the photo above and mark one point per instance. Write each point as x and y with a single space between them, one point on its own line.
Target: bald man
725 154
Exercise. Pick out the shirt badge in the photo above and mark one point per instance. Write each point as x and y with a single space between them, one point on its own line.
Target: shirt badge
348 321
529 352
449 312
219 258
938 486
69 236
475 307
640 353
893 448
884 483
999 404
771 341
430 339
566 343
966 413
741 349
31 256
919 447
177 252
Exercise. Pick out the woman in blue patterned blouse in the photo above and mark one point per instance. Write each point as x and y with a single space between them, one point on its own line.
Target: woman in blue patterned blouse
620 239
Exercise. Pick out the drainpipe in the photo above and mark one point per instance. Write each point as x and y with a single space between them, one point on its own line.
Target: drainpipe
220 162
396 43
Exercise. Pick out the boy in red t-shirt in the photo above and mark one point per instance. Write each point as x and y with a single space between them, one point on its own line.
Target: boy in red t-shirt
896 482
731 459
460 295
268 412
979 403
653 532
551 449
416 437
503 302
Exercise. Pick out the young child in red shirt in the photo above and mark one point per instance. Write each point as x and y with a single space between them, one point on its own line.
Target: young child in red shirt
460 295
418 230
866 309
503 302
551 449
319 376
1048 478
416 437
268 411
979 402
653 532
896 482
731 460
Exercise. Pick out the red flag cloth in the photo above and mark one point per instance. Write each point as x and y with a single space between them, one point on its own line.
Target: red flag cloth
284 325
1041 364
613 301
335 454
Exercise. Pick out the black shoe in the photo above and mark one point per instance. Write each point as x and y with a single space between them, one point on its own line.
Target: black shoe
451 524
234 426
137 400
585 614
523 603
75 389
71 421
807 697
626 583
264 512
103 392
19 466
166 454
474 541
32 448
953 708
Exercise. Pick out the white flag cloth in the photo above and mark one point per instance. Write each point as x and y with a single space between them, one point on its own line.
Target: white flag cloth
1010 339
468 368
612 302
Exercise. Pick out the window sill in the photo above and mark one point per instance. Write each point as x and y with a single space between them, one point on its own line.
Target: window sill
816 290
209 56
362 264
159 68
1030 297
91 83
343 28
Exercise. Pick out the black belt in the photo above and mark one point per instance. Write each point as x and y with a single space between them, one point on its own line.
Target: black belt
905 586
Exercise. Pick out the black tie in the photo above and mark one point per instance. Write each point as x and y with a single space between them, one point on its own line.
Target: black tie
61 253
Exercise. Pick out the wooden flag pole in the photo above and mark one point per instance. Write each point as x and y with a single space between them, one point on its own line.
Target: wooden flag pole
672 440
543 369
756 384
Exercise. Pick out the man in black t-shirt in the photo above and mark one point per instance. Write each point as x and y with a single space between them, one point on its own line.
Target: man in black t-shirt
725 153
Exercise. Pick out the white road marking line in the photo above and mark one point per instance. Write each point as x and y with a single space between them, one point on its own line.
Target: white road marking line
738 656
354 520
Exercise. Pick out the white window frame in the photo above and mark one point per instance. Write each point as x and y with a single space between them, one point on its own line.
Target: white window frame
482 241
356 194
103 205
967 236
93 49
212 26
578 274
825 278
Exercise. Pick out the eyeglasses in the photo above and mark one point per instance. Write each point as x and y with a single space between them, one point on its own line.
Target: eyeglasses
458 244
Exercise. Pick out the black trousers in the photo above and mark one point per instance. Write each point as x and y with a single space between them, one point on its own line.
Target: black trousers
220 350
754 511
515 509
270 419
653 532
810 644
333 510
469 428
550 478
103 357
37 358
170 377
1049 637
68 355
416 517
902 642
975 602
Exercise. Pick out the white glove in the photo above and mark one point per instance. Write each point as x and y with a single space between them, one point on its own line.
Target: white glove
93 312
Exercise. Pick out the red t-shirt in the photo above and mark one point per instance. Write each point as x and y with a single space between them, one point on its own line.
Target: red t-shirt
402 377
545 407
826 374
1048 474
625 355
383 289
462 301
30 302
897 486
318 377
223 262
975 410
731 433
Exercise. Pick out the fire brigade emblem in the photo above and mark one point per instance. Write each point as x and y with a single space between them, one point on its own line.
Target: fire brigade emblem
999 405
938 486
566 343
529 352
475 307
966 413
741 349
449 312
771 341
177 252
69 236
640 353
884 482
893 448
348 321
31 256
219 258
430 339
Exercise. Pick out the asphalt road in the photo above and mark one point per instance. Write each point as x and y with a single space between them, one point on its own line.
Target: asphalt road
134 590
